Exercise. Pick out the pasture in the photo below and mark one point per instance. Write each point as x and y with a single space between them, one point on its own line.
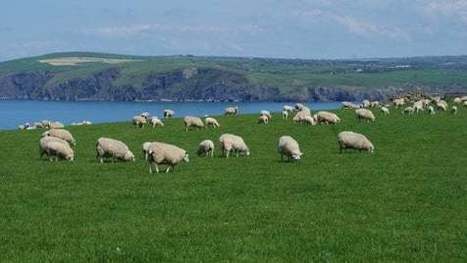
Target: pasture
405 202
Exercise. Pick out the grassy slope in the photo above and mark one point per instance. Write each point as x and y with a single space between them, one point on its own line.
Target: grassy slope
286 74
406 202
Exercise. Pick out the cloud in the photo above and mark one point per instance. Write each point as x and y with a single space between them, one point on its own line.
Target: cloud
368 29
454 9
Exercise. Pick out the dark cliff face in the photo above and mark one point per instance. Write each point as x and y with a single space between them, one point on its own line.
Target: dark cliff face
190 84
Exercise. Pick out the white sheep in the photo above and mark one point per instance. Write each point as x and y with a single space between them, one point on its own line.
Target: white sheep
289 147
309 120
327 117
365 103
442 106
231 111
266 113
398 102
374 104
288 108
139 121
115 149
211 122
409 110
285 114
350 105
55 125
165 154
365 114
233 143
263 119
145 115
154 121
454 109
206 148
300 116
431 110
465 103
168 113
191 121
145 148
385 110
353 140
62 134
44 141
56 148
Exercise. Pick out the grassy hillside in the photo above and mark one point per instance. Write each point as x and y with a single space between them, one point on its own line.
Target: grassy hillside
405 202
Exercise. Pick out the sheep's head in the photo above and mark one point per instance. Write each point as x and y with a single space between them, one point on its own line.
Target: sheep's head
70 157
44 134
371 149
129 156
186 158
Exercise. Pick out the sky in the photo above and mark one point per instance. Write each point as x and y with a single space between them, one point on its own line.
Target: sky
309 29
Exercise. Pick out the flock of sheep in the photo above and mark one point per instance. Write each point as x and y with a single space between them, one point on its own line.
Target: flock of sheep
57 143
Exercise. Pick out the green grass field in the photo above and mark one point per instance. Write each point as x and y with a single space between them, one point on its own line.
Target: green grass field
406 202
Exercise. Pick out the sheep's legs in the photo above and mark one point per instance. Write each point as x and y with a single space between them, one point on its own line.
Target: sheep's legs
167 170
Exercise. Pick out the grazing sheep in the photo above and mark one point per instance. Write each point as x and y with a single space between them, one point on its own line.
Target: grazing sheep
288 108
365 114
454 109
146 115
263 119
191 121
457 100
59 150
165 154
139 121
231 111
168 113
285 114
55 125
442 106
385 110
266 113
115 149
398 102
45 140
62 134
353 140
465 103
327 117
431 110
288 146
233 143
211 122
206 148
300 116
299 107
145 147
419 106
309 120
350 105
154 121
374 104
409 110
365 104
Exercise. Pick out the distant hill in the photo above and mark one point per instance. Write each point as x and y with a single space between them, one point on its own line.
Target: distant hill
95 76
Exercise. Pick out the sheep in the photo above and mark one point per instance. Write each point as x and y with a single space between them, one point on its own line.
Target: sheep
163 153
62 134
327 117
408 110
288 108
233 143
465 103
263 119
168 113
419 106
285 114
289 147
442 106
454 109
385 110
299 107
139 121
309 120
55 125
457 100
231 111
154 121
266 113
115 149
374 104
353 140
44 141
59 150
431 110
206 148
145 115
145 148
211 122
191 121
398 102
365 103
300 116
365 114
350 105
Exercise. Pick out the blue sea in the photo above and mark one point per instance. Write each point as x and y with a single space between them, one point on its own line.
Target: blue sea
15 112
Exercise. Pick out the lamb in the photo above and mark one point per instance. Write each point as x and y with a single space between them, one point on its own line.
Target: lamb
168 113
211 122
288 146
191 121
154 121
365 114
285 114
233 143
327 117
266 113
206 148
139 121
431 110
385 110
409 110
115 149
59 150
288 108
231 111
165 154
454 109
62 134
46 140
353 140
263 119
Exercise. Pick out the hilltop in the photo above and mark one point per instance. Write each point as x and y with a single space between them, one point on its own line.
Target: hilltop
96 76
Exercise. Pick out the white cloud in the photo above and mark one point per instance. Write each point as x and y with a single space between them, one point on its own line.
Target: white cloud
454 9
